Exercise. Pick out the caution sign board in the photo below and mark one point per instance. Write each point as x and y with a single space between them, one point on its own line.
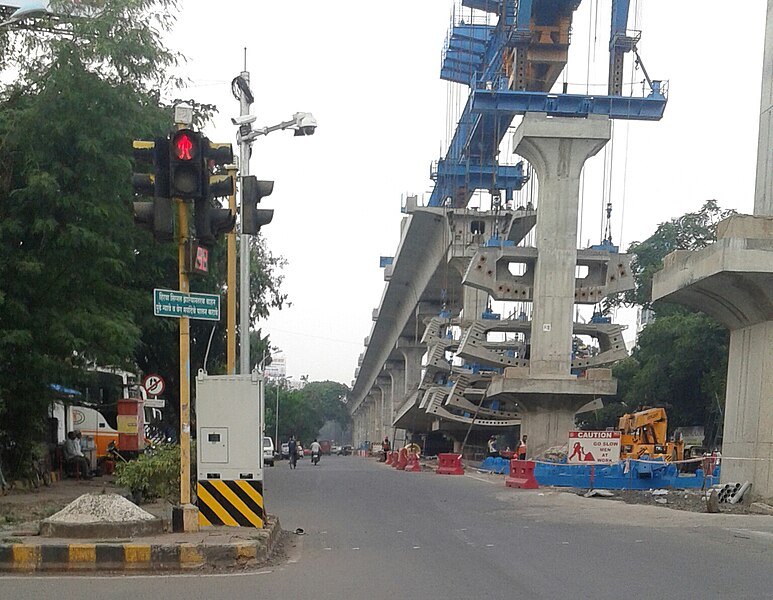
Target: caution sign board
593 447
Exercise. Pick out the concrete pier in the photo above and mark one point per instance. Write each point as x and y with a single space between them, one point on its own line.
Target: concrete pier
732 281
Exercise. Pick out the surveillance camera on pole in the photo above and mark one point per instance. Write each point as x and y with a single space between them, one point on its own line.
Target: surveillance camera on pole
305 123
302 124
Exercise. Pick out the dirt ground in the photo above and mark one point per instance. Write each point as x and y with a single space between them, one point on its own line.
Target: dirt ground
21 507
688 500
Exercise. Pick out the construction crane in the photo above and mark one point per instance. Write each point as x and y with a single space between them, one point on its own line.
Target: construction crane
646 433
511 67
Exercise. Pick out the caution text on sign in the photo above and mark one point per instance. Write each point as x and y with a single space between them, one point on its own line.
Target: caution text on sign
593 447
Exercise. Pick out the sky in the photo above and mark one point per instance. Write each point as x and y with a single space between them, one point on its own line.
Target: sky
369 72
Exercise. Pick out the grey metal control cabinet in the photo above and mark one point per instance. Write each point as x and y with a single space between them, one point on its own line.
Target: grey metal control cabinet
229 427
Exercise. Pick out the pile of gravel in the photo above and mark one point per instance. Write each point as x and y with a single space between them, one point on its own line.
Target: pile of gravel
100 508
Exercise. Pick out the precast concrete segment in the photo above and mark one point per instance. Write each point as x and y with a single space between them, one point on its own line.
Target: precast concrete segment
475 348
731 280
435 405
557 148
463 387
489 270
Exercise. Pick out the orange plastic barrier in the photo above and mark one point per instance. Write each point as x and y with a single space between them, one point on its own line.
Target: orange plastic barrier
413 463
402 460
389 457
522 475
449 464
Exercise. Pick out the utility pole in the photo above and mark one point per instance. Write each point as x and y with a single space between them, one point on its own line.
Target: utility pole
245 100
276 417
251 191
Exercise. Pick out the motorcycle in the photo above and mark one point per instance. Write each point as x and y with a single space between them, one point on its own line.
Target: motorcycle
315 458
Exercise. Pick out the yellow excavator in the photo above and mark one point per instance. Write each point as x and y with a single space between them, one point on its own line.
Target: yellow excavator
646 432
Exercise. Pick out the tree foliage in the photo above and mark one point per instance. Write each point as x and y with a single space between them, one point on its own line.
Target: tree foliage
66 232
680 360
691 231
76 274
303 412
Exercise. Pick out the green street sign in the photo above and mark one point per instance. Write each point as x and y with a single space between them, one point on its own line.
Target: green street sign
171 303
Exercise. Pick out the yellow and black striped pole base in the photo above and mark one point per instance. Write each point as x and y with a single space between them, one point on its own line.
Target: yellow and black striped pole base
237 503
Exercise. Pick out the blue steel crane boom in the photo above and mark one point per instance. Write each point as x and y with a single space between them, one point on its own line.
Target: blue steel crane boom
511 68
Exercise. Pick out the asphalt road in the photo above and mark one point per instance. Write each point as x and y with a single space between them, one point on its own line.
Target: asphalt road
375 533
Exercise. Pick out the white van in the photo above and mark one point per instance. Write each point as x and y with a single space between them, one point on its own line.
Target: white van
268 451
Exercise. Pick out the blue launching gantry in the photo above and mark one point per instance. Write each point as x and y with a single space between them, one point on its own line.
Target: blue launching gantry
511 68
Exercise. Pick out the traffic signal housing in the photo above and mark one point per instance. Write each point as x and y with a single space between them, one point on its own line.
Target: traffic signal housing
253 191
211 221
217 155
188 177
155 215
153 154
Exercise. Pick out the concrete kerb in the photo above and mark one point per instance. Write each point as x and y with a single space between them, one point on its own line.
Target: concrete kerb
170 552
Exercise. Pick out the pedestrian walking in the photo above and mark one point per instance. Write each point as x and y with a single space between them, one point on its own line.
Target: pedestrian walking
522 449
292 447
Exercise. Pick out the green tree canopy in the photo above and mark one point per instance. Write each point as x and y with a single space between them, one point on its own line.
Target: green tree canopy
327 398
76 275
680 360
303 412
691 231
66 229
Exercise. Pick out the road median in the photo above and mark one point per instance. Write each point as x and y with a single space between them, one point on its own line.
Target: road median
217 547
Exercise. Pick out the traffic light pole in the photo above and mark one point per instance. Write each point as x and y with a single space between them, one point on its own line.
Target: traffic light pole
185 364
244 247
190 514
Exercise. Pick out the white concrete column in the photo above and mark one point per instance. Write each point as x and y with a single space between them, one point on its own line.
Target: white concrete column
384 386
396 372
557 148
412 356
763 193
548 424
748 432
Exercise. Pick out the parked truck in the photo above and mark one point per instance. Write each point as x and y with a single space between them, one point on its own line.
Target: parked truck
111 409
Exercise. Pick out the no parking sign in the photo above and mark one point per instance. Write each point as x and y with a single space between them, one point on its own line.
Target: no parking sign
154 385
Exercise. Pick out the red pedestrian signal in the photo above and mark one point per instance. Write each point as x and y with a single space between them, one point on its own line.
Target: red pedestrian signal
188 175
184 147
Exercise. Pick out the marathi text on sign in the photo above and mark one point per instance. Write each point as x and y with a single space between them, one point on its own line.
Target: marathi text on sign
170 303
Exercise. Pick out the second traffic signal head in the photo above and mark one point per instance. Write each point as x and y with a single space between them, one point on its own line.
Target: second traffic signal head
188 175
211 222
156 216
155 153
253 191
